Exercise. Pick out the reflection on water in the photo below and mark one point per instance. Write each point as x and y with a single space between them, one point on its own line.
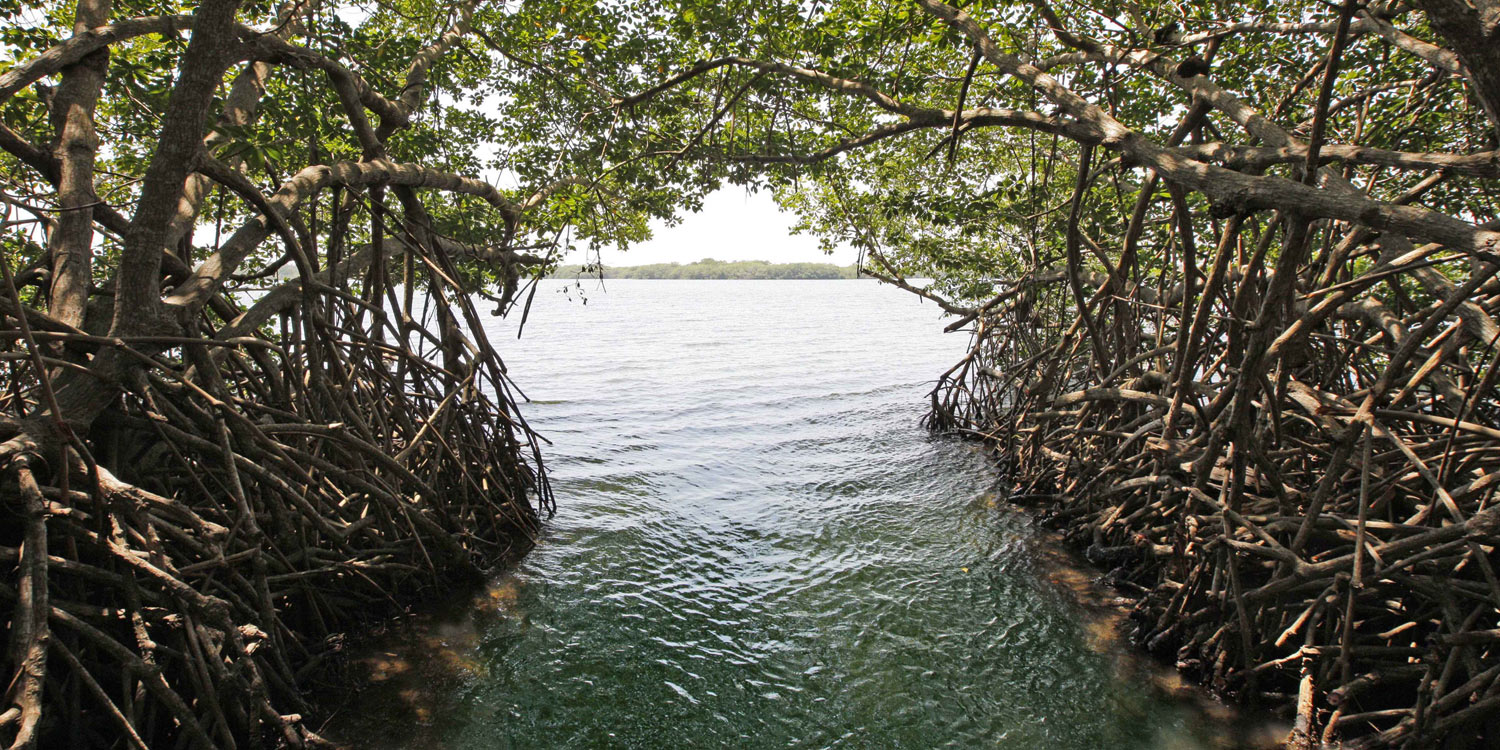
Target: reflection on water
757 546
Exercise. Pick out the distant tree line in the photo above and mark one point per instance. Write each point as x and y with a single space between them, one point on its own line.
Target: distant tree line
708 268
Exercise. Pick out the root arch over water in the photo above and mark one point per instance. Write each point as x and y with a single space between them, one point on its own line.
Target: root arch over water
1322 535
204 490
189 559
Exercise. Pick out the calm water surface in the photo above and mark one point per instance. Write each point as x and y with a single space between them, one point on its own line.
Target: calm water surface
757 546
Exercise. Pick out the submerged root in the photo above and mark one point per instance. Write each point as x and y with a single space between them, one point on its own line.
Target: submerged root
188 560
1321 537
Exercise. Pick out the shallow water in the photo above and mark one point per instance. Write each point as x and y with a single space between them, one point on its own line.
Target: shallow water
756 545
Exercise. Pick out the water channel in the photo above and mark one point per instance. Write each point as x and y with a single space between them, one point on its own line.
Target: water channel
757 546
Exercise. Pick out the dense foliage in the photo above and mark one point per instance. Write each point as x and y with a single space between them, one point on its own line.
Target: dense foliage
1231 272
1230 268
205 482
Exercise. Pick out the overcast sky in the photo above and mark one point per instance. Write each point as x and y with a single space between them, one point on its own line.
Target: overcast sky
733 225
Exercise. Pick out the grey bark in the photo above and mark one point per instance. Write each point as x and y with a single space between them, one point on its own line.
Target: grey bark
1474 31
71 243
138 285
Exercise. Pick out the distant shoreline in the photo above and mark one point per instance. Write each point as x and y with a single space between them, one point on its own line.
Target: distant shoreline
710 269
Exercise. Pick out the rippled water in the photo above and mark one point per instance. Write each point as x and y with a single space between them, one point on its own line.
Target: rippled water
757 546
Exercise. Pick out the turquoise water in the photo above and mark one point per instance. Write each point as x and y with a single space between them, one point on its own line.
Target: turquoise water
757 546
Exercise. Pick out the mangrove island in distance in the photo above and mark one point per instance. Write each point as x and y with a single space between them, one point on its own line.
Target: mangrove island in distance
708 268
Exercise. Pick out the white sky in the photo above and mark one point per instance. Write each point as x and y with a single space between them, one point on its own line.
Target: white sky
733 225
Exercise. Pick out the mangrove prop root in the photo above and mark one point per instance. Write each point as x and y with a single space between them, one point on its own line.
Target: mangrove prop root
241 507
200 496
238 509
1320 537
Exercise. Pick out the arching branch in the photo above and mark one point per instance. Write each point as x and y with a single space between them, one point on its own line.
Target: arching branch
82 45
206 278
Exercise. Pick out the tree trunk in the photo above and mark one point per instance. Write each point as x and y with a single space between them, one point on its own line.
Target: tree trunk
138 286
1474 31
71 243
